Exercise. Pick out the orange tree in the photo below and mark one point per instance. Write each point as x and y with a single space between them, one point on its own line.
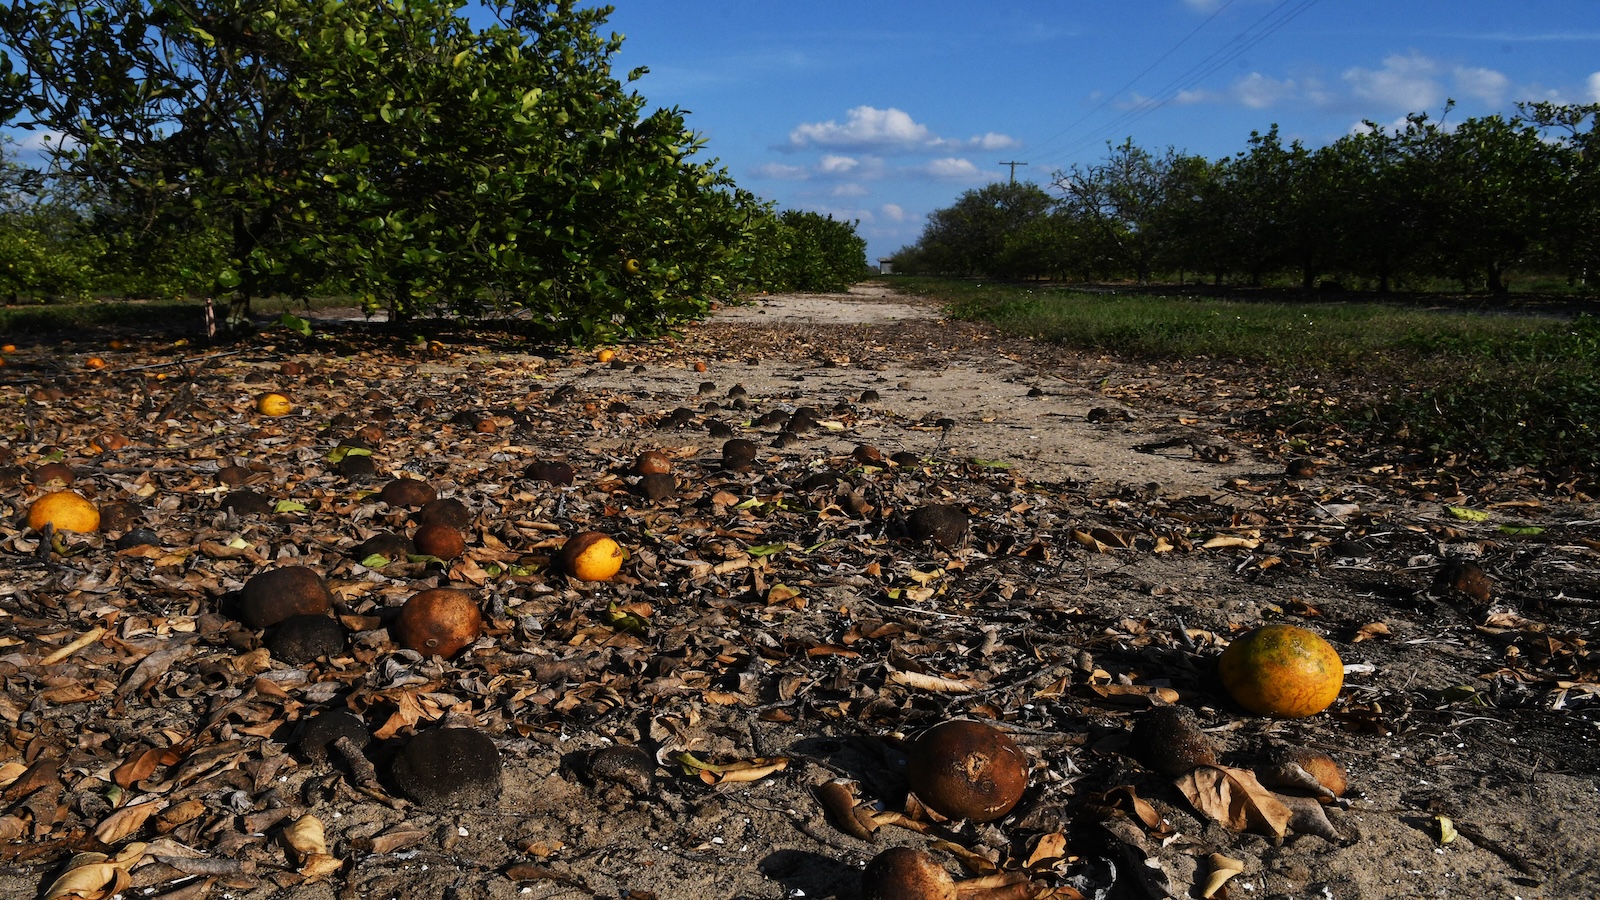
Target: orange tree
394 151
809 251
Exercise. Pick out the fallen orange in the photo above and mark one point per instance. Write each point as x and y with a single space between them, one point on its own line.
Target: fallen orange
273 404
438 621
592 556
64 511
1282 670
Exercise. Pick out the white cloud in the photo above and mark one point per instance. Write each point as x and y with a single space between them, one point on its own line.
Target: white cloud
992 141
893 212
1397 125
1594 87
953 169
848 189
837 165
1257 91
844 213
864 126
1407 82
781 172
870 128
1485 84
1184 98
42 140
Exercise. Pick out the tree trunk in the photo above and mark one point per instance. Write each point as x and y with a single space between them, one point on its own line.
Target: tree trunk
1495 276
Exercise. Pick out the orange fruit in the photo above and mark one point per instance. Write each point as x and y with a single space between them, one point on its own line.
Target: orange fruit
906 873
439 539
106 441
652 462
8 348
438 622
1281 670
95 362
54 474
605 356
591 556
273 404
64 511
965 769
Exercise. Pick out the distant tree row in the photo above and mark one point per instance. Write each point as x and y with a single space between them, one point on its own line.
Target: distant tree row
1385 208
396 153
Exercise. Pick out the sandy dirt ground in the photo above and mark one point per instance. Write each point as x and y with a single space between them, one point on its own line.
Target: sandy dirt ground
1125 523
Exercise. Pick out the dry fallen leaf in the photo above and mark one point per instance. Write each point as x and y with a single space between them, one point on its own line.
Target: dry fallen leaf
306 838
1124 801
95 876
1236 800
1309 816
1222 869
739 771
126 822
1369 631
838 799
142 766
1048 851
936 683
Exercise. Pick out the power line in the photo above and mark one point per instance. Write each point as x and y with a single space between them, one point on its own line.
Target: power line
1197 73
1013 166
1235 47
1118 92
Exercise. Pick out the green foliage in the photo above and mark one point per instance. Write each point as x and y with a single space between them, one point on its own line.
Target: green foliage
394 152
46 253
807 251
1476 205
1505 390
971 236
1125 201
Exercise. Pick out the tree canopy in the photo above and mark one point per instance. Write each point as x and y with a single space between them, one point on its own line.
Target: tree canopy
1413 204
390 150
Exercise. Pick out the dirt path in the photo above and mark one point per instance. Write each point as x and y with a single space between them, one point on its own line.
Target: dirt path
1124 524
1039 412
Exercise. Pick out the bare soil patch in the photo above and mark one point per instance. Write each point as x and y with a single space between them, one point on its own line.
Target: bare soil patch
777 623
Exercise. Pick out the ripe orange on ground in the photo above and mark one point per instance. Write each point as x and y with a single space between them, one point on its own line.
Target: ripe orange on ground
64 511
95 362
273 404
605 356
438 621
592 556
1282 670
439 539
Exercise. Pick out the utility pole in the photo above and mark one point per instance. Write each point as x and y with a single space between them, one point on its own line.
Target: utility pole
1013 166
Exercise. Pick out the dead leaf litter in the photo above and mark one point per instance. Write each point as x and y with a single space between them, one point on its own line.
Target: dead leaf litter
921 521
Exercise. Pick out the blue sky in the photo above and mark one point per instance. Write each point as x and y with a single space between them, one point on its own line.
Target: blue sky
885 110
